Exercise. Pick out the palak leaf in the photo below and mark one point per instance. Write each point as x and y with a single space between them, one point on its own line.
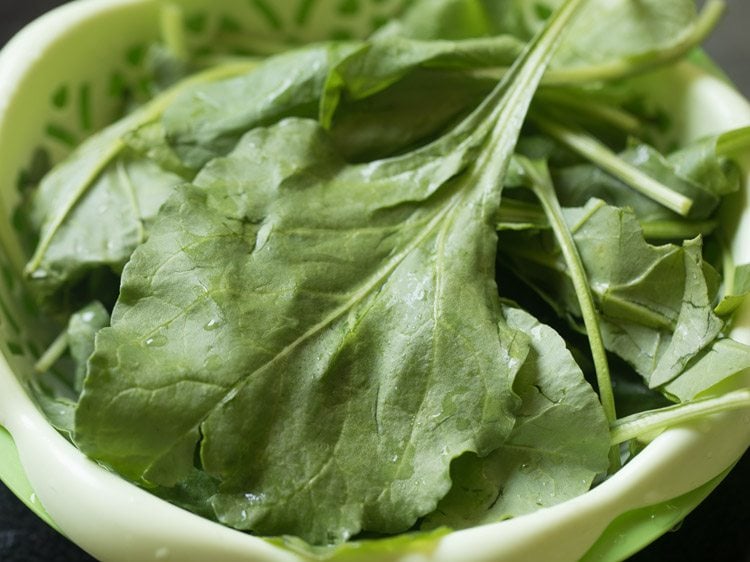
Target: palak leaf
737 290
379 63
82 328
655 301
326 334
208 119
609 41
721 360
559 443
91 210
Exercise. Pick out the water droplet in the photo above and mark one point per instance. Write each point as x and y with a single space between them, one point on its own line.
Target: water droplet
254 499
39 274
155 341
162 553
33 498
212 325
394 458
264 233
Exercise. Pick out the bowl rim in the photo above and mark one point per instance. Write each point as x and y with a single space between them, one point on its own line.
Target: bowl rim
32 439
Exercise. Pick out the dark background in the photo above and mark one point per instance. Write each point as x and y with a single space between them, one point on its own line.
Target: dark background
718 530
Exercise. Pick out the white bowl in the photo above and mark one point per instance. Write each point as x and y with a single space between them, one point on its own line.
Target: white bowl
77 49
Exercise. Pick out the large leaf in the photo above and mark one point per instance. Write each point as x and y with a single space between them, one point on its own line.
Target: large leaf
655 301
609 40
325 325
209 120
326 334
559 443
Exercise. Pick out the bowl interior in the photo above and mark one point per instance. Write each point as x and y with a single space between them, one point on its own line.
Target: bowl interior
64 77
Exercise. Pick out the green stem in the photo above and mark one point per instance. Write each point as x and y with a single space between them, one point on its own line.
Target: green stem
733 142
53 353
676 230
597 152
515 214
541 184
173 31
648 424
583 104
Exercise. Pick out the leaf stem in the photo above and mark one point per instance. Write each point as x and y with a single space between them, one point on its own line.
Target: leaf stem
676 229
53 353
592 149
541 184
583 104
515 215
647 424
173 30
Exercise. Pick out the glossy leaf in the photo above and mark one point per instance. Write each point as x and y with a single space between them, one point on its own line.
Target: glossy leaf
559 443
655 301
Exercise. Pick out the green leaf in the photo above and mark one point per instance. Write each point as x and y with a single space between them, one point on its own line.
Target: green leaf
559 443
440 19
207 120
736 291
409 113
615 40
325 334
721 360
82 327
377 64
91 210
655 301
333 330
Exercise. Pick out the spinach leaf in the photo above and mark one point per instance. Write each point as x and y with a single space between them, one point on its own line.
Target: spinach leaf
559 443
440 19
722 359
409 113
102 178
208 119
377 64
82 328
736 290
655 301
364 353
610 41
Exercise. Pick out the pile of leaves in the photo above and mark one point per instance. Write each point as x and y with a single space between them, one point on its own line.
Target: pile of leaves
367 287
